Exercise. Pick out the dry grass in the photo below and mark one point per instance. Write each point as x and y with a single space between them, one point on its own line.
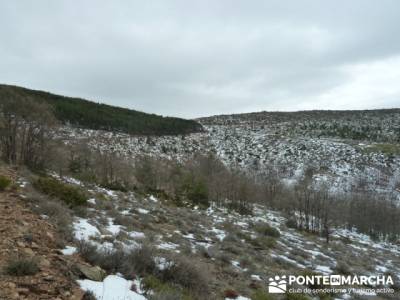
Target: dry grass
57 212
21 266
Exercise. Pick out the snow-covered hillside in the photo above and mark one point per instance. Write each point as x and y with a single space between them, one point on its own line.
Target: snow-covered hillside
225 252
341 164
229 244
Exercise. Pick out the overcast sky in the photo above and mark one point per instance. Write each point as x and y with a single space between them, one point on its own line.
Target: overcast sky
194 58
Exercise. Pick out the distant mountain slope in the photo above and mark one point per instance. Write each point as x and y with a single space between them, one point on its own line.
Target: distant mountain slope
304 115
83 113
380 125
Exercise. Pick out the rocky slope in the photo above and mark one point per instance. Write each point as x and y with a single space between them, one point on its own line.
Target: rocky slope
236 252
25 236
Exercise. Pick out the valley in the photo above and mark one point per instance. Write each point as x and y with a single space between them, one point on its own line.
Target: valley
212 214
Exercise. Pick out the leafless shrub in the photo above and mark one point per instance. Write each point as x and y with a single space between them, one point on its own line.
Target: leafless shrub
57 212
343 268
187 274
167 295
88 295
140 261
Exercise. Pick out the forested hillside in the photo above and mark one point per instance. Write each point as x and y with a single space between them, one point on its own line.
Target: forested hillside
83 113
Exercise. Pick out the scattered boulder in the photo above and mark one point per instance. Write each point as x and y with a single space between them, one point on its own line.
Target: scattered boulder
44 263
92 273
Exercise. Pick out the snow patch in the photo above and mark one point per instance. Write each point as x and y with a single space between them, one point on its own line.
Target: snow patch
83 230
112 228
136 234
143 211
324 270
168 246
152 198
112 288
69 250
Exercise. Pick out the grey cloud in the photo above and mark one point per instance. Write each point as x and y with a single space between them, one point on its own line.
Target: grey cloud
196 58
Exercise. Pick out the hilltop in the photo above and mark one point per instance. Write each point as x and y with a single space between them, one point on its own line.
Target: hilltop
86 114
373 125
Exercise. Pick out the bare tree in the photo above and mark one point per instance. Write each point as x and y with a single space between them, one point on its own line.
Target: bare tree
25 131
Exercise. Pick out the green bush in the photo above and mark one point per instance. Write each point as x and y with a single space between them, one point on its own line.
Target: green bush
139 261
264 242
291 223
65 192
197 193
152 283
114 186
21 267
4 182
261 295
266 230
157 290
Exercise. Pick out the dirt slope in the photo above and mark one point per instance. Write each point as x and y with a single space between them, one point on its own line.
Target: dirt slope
24 234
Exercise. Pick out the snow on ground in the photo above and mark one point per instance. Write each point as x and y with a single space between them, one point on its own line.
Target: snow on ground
125 212
72 180
256 277
136 234
381 269
162 263
294 250
143 211
83 230
289 260
22 182
324 270
220 234
189 236
168 246
152 198
68 250
112 288
338 162
112 228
